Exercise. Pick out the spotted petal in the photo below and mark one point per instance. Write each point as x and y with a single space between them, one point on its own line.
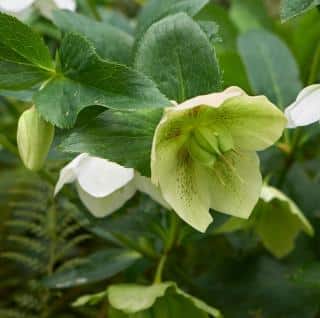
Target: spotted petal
183 183
235 184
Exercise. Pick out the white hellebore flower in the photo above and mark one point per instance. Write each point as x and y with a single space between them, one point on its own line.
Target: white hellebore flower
105 186
18 7
306 109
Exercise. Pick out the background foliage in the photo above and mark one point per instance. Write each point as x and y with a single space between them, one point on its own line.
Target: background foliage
53 251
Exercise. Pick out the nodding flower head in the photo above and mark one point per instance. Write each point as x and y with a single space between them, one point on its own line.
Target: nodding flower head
204 153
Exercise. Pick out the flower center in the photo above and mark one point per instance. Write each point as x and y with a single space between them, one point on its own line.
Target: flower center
207 145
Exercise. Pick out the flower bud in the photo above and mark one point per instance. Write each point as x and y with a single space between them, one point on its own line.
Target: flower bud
34 138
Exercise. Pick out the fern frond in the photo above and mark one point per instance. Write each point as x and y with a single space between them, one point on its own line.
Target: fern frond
69 230
28 301
14 313
30 262
28 214
28 243
27 226
71 244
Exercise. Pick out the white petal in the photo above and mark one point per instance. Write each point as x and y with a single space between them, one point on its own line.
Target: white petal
306 109
100 177
146 186
101 207
214 100
15 5
66 4
69 173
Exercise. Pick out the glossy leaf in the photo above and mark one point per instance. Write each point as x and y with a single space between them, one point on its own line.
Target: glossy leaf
24 58
87 80
96 267
166 54
122 137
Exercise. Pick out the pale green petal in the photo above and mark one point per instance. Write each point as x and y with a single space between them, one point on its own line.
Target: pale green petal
233 224
254 122
183 183
165 298
235 184
279 221
200 304
276 220
104 206
145 185
133 298
269 193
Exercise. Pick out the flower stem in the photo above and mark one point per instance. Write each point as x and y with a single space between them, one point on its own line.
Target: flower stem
315 66
93 9
158 275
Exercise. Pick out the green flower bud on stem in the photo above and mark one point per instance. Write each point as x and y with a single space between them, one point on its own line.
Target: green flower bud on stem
34 138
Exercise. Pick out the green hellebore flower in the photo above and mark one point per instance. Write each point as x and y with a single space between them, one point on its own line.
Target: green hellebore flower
204 154
163 300
34 138
276 220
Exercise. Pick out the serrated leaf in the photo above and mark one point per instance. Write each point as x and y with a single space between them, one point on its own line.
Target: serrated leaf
178 56
88 80
271 68
24 58
122 137
292 8
98 266
110 42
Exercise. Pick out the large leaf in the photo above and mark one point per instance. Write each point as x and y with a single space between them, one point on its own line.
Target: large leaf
110 42
98 266
271 68
292 8
155 10
123 137
87 80
24 58
178 56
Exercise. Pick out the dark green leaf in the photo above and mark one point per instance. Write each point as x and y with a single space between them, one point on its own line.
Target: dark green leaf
155 10
24 58
19 76
98 266
87 80
271 68
292 8
122 137
110 42
178 56
308 275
